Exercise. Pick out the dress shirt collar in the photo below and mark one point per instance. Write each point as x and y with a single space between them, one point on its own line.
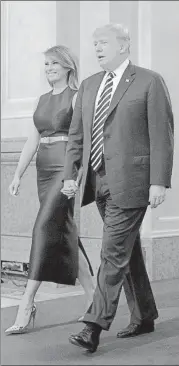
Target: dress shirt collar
121 68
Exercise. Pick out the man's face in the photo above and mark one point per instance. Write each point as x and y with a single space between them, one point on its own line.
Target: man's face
108 49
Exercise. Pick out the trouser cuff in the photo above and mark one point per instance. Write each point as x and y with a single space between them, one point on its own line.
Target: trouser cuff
89 318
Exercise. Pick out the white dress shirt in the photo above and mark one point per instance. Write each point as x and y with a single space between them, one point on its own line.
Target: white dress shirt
118 75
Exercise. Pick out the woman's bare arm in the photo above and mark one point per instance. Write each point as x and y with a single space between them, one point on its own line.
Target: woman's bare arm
28 151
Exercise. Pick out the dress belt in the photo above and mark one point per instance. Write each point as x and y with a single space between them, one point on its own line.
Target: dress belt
50 139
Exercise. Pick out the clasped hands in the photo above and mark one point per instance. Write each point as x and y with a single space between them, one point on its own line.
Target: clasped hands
70 188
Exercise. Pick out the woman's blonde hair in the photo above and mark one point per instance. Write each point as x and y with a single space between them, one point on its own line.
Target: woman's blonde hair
67 60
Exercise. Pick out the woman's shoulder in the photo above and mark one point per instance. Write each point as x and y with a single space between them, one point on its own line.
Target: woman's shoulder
45 95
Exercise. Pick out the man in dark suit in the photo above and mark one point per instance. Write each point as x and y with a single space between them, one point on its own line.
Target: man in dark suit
122 134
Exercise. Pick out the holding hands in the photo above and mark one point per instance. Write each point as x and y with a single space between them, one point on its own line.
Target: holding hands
70 188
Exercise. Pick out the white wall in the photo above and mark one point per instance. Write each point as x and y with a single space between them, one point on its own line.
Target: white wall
25 35
165 60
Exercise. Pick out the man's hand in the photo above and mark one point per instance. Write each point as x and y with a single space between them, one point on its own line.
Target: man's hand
70 188
156 195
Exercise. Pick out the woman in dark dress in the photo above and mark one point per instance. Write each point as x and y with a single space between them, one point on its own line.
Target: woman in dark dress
57 254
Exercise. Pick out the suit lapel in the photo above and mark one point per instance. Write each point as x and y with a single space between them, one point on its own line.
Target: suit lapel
124 84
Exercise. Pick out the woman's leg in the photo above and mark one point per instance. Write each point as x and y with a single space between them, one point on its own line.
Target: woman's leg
27 302
85 278
30 292
26 310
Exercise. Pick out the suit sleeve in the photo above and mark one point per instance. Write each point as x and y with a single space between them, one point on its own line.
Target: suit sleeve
74 152
161 132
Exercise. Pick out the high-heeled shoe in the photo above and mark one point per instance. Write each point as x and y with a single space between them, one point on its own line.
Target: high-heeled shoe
19 329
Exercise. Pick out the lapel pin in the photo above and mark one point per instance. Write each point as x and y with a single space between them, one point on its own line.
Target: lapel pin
127 80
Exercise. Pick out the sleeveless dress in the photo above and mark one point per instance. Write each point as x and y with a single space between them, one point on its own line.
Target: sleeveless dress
55 242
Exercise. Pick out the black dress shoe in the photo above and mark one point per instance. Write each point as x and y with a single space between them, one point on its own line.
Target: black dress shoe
133 329
88 338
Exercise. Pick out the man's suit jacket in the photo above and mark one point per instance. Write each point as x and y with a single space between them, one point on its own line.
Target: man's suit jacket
138 137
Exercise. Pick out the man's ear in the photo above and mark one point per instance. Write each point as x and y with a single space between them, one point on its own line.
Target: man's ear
123 49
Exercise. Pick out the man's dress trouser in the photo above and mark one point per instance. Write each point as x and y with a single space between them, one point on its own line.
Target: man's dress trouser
121 261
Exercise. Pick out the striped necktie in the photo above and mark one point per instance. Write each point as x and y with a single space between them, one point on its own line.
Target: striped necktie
98 124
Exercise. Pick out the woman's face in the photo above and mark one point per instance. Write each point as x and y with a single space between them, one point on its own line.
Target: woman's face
53 70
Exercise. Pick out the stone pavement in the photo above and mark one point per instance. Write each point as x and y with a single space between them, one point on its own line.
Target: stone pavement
47 343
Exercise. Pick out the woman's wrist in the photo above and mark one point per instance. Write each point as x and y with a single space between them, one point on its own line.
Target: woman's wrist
17 175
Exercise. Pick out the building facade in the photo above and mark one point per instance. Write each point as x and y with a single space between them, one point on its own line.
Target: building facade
29 28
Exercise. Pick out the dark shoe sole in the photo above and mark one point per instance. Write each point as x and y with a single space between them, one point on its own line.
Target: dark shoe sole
129 335
82 345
